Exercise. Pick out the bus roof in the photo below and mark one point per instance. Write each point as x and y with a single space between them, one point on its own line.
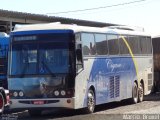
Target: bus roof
76 28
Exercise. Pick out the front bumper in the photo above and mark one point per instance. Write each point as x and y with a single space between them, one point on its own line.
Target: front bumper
48 103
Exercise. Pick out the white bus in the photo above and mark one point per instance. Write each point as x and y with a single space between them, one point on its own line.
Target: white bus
69 66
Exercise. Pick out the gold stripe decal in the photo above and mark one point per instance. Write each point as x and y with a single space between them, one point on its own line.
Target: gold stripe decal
131 53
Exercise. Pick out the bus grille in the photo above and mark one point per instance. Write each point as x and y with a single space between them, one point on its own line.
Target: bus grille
114 86
117 84
111 87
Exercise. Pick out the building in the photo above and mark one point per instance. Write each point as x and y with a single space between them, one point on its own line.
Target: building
8 19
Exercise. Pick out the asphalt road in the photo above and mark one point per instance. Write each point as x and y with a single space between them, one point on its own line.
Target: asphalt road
115 110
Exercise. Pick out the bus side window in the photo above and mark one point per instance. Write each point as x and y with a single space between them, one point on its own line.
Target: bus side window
149 45
145 45
133 42
101 44
89 47
123 47
113 44
79 61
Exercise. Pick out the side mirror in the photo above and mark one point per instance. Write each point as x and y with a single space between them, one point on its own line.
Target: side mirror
79 54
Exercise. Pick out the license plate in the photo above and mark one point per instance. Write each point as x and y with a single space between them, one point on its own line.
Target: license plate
38 102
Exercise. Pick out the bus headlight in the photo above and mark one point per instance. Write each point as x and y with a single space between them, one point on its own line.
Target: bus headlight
15 94
21 94
63 93
56 93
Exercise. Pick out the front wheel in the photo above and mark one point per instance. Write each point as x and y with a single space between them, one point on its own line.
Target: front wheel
90 102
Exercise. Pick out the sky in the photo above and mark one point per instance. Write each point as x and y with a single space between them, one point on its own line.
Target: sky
143 14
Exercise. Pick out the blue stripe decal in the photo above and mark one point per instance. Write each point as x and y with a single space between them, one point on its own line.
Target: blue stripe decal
104 68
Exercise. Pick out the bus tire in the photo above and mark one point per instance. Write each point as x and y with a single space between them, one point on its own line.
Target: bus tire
34 113
135 94
90 102
2 103
140 93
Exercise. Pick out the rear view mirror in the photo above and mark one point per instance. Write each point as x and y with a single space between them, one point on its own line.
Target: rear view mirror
79 55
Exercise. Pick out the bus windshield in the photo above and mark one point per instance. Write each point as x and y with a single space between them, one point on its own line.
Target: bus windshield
40 58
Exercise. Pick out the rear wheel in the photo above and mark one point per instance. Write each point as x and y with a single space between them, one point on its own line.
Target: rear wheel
135 94
140 93
90 102
34 113
1 103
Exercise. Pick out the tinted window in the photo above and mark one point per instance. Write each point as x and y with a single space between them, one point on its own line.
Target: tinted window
89 47
133 42
44 58
143 45
113 44
149 45
123 47
101 44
